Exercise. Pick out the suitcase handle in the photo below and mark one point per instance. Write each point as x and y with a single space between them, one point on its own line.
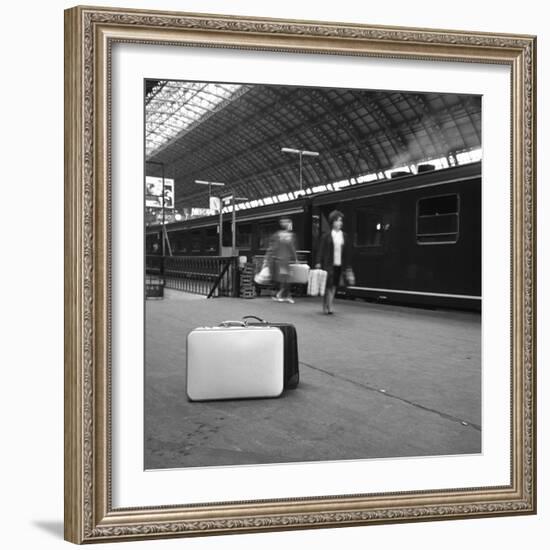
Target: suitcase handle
255 317
232 324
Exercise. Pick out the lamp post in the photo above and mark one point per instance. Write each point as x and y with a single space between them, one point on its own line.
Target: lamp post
210 184
220 231
301 153
233 198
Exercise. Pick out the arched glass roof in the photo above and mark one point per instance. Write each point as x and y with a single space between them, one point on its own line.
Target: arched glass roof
235 134
173 107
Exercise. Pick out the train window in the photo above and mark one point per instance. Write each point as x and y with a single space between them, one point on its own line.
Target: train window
266 232
153 244
369 227
180 243
244 236
211 239
437 219
196 241
174 242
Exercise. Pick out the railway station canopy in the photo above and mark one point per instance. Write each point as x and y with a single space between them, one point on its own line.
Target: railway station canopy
269 143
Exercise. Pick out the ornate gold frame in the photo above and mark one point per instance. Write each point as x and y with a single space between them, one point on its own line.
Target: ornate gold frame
89 34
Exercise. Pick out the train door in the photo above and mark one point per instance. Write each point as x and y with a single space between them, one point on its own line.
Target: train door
319 226
315 234
226 239
369 232
196 242
211 241
244 238
266 232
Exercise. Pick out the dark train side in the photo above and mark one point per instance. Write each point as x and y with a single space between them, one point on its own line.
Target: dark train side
415 239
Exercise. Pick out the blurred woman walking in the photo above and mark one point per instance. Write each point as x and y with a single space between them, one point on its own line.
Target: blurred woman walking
283 251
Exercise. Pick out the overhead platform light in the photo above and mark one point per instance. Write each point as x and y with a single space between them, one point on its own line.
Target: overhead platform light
301 153
202 182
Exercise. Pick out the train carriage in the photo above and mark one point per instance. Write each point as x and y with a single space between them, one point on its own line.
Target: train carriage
416 239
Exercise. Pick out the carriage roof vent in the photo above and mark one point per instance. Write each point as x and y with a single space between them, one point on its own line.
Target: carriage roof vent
399 174
425 168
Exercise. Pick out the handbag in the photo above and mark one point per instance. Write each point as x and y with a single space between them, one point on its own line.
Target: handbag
263 277
349 277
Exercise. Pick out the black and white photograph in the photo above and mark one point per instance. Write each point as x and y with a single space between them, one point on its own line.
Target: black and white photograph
312 277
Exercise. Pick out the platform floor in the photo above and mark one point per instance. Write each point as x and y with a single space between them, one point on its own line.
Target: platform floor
375 381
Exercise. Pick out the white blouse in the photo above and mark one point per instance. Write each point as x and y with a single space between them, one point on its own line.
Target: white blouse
338 242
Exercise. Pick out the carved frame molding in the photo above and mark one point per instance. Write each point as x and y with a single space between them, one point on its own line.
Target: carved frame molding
89 35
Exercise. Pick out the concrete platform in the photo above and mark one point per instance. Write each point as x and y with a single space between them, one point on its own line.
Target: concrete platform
375 381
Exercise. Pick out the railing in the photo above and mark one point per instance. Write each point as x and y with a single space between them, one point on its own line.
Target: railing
207 275
153 264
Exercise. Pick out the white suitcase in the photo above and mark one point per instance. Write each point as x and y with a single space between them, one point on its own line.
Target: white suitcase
317 282
299 274
234 362
313 283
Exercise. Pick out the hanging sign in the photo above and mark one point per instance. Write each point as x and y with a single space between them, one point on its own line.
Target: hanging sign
153 192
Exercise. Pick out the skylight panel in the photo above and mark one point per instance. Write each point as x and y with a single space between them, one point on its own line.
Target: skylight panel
177 106
367 177
340 184
469 156
440 163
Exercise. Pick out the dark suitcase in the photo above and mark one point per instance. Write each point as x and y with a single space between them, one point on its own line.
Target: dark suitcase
290 349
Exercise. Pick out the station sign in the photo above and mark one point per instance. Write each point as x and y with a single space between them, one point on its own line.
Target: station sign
153 192
215 204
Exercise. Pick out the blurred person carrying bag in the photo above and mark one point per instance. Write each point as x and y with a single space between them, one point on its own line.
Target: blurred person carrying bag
265 275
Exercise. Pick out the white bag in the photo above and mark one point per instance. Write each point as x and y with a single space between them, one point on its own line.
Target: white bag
317 282
263 277
313 283
298 274
350 277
